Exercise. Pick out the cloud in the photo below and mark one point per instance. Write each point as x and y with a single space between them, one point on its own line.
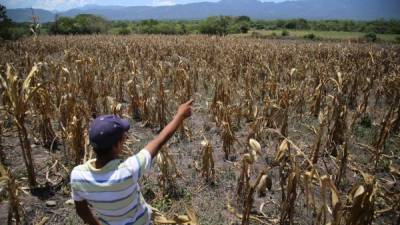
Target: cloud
68 4
163 2
17 3
60 4
46 4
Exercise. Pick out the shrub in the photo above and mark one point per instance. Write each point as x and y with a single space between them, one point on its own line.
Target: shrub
371 36
285 33
244 28
256 34
366 121
310 36
124 31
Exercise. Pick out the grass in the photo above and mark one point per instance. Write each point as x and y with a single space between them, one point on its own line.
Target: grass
333 35
73 219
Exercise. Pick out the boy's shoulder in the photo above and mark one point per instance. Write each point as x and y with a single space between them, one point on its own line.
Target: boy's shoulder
78 169
114 165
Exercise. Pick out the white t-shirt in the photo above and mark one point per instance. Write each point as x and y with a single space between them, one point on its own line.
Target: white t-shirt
113 191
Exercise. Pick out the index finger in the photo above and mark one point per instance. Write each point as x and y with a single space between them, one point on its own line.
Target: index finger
190 102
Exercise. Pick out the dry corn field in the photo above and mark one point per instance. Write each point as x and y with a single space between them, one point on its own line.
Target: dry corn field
283 132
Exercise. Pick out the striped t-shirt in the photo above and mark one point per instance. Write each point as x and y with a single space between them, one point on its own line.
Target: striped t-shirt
113 191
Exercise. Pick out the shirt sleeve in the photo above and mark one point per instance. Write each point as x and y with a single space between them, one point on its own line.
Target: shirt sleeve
140 163
74 194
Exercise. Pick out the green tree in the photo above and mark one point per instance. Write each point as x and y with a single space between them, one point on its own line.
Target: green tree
291 24
3 14
239 27
243 19
90 24
259 25
280 24
81 24
63 25
302 24
5 24
183 29
165 28
215 25
150 22
10 30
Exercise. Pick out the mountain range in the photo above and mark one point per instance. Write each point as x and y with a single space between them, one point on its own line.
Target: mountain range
307 9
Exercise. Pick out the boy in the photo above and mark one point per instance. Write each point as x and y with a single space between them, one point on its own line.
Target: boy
110 185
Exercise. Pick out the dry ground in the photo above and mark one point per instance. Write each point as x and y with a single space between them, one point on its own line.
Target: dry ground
209 199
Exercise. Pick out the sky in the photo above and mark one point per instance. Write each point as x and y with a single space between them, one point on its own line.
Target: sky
60 5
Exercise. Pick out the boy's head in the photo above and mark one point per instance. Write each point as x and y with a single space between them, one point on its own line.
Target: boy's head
106 132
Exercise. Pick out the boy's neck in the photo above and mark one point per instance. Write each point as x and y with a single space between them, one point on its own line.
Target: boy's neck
102 161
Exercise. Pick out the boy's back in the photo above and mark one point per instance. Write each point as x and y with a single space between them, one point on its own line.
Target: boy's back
113 190
109 185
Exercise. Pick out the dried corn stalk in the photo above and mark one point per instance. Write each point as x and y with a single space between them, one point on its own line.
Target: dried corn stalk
43 105
317 142
343 163
76 139
337 126
381 137
134 107
265 183
168 170
1 140
248 159
318 95
361 108
309 189
161 104
17 95
228 138
326 185
361 202
248 201
7 181
114 106
289 198
207 169
189 219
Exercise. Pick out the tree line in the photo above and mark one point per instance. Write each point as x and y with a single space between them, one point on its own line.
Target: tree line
214 25
91 24
380 26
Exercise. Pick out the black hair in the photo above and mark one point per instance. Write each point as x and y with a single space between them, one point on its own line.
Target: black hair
105 151
102 151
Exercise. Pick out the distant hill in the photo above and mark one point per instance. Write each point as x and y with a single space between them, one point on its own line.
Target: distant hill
308 9
25 15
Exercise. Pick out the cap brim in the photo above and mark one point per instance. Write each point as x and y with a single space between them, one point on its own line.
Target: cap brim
125 124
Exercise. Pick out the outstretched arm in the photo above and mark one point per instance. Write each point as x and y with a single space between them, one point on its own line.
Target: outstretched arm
85 213
184 111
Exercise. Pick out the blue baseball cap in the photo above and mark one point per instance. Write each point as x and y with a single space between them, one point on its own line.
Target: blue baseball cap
106 130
